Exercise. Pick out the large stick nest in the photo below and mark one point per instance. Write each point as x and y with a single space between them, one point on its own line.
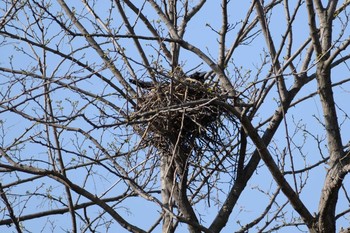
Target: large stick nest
179 111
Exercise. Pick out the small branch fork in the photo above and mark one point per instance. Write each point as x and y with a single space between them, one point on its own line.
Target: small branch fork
10 210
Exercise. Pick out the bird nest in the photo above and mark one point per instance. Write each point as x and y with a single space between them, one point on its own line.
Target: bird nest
179 112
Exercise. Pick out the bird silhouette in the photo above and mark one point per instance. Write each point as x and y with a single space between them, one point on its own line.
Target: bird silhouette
142 84
195 77
198 76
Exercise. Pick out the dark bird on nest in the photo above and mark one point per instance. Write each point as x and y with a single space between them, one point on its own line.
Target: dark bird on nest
142 84
195 77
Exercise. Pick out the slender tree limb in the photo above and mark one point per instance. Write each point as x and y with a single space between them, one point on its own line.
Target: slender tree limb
272 49
265 155
60 178
97 48
13 218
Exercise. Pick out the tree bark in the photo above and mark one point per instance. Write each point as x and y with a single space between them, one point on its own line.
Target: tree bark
334 178
167 177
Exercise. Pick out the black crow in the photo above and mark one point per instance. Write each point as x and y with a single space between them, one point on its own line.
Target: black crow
142 84
198 76
195 77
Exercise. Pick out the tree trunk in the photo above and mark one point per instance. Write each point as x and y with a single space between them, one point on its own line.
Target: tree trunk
334 178
167 178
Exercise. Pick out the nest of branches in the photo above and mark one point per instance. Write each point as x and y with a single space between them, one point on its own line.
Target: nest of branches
179 113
